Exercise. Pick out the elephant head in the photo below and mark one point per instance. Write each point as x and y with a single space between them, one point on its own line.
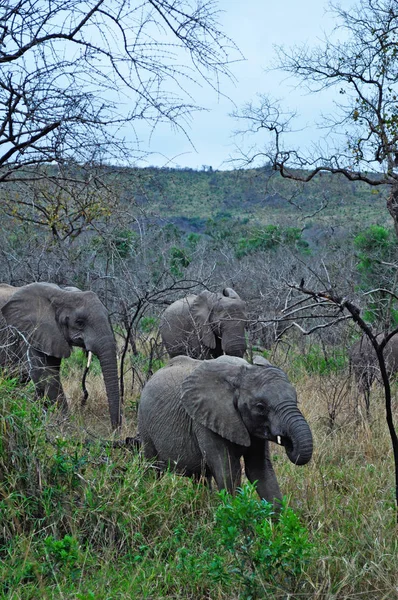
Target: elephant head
221 319
239 402
52 320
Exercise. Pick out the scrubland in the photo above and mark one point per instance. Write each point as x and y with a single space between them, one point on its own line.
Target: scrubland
82 519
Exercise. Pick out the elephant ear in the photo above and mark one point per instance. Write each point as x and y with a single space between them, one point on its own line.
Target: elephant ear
261 361
201 308
208 395
230 293
32 312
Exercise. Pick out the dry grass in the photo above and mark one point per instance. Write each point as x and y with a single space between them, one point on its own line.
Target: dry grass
344 496
93 416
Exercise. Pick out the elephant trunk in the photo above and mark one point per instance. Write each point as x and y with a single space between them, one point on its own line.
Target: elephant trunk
236 350
107 357
296 437
233 341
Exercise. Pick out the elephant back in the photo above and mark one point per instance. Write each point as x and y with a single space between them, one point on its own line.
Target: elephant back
11 345
206 325
164 425
179 329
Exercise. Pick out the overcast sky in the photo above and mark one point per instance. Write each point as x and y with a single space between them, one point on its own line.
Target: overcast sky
255 26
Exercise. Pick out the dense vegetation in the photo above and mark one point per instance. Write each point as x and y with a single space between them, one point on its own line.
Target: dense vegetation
81 519
189 198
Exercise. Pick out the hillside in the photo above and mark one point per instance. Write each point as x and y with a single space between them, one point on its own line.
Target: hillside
255 193
254 197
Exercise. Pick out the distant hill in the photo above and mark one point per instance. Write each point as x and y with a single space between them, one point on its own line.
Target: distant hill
240 202
259 197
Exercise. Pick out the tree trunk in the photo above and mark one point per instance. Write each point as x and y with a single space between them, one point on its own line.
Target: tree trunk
392 205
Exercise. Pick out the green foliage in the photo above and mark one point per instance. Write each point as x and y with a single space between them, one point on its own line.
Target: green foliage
316 361
222 228
77 361
377 249
119 243
63 554
124 242
193 240
374 238
146 364
374 244
149 324
270 238
179 260
266 550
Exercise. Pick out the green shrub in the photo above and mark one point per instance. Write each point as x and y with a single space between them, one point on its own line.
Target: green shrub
78 361
377 248
179 260
270 237
374 238
63 555
316 361
148 324
146 364
264 549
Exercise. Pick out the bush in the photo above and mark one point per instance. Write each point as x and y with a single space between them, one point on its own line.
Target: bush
78 361
78 520
148 324
316 361
270 237
265 551
374 238
179 260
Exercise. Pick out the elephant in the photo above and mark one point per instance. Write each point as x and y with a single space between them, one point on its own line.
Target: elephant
202 416
205 326
39 325
365 365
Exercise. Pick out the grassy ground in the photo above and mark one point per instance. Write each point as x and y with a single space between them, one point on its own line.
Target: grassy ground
90 522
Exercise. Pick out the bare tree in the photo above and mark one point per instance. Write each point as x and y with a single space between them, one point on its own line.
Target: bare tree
335 308
362 67
73 72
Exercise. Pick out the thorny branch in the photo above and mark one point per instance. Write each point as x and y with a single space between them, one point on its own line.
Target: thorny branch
73 72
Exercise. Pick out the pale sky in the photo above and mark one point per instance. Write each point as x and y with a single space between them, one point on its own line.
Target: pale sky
255 26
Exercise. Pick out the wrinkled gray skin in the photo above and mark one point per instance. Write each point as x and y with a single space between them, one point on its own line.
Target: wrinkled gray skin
365 365
205 326
39 325
201 417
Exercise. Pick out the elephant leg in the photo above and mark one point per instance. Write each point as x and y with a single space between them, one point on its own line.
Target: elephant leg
204 477
151 454
222 459
259 469
45 374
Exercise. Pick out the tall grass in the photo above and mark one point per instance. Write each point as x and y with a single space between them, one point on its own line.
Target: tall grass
87 521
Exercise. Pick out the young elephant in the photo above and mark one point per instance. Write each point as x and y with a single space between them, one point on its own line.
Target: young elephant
203 416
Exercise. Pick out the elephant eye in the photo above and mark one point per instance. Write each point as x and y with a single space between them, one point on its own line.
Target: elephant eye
261 407
79 322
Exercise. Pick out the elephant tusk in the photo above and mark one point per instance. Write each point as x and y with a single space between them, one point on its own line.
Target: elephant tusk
85 392
279 440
